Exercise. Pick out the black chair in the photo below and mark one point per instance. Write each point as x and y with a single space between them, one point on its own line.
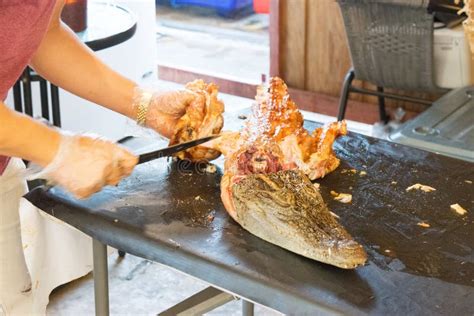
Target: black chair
22 97
391 46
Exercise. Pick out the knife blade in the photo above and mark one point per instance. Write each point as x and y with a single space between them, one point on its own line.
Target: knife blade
168 151
156 154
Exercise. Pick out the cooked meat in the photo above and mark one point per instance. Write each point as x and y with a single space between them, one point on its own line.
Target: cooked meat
266 186
276 122
285 208
199 121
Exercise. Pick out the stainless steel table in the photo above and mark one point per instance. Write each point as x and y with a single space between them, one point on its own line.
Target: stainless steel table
447 127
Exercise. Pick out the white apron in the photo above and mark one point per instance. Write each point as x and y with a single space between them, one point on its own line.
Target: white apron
46 254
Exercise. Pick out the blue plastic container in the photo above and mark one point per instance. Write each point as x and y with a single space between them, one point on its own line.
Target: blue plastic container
223 7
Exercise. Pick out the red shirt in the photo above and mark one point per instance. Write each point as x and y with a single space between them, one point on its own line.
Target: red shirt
23 24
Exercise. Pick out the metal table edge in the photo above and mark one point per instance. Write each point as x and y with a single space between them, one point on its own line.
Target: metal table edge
298 305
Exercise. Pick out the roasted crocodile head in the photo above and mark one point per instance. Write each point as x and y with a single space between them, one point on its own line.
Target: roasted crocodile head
286 209
266 188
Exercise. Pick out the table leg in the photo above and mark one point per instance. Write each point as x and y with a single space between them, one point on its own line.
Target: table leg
101 278
247 308
200 303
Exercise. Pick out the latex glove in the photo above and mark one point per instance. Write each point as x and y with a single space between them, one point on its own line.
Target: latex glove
83 165
164 109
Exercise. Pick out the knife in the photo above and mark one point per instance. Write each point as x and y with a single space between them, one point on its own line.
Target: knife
160 153
168 151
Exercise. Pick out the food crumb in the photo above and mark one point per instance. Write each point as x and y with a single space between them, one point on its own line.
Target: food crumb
394 182
197 198
116 220
316 185
211 168
387 250
422 187
174 243
468 181
334 193
363 173
343 198
458 209
423 224
334 214
353 171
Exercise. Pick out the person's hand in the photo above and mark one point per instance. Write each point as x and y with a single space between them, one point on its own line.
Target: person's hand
83 165
164 109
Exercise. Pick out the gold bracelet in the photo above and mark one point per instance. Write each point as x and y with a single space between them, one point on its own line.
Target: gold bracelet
142 103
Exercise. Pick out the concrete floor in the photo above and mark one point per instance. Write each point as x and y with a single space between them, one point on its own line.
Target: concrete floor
231 48
137 287
237 47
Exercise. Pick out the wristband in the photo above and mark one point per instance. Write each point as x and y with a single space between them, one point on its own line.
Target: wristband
141 101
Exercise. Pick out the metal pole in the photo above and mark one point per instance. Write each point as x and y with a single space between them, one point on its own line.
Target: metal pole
26 81
55 105
199 303
17 96
247 308
101 279
382 112
390 96
346 89
44 98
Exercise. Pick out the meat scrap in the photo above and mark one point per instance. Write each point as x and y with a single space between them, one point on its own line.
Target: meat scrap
458 209
421 187
210 168
344 198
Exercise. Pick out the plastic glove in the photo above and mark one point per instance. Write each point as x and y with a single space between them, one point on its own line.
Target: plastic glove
166 108
83 165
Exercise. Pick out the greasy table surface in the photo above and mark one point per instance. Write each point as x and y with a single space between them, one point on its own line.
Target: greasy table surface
171 213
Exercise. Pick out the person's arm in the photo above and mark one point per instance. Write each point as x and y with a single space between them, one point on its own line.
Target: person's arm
21 136
63 60
80 164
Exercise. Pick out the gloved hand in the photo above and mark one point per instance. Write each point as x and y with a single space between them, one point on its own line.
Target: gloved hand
162 110
84 164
